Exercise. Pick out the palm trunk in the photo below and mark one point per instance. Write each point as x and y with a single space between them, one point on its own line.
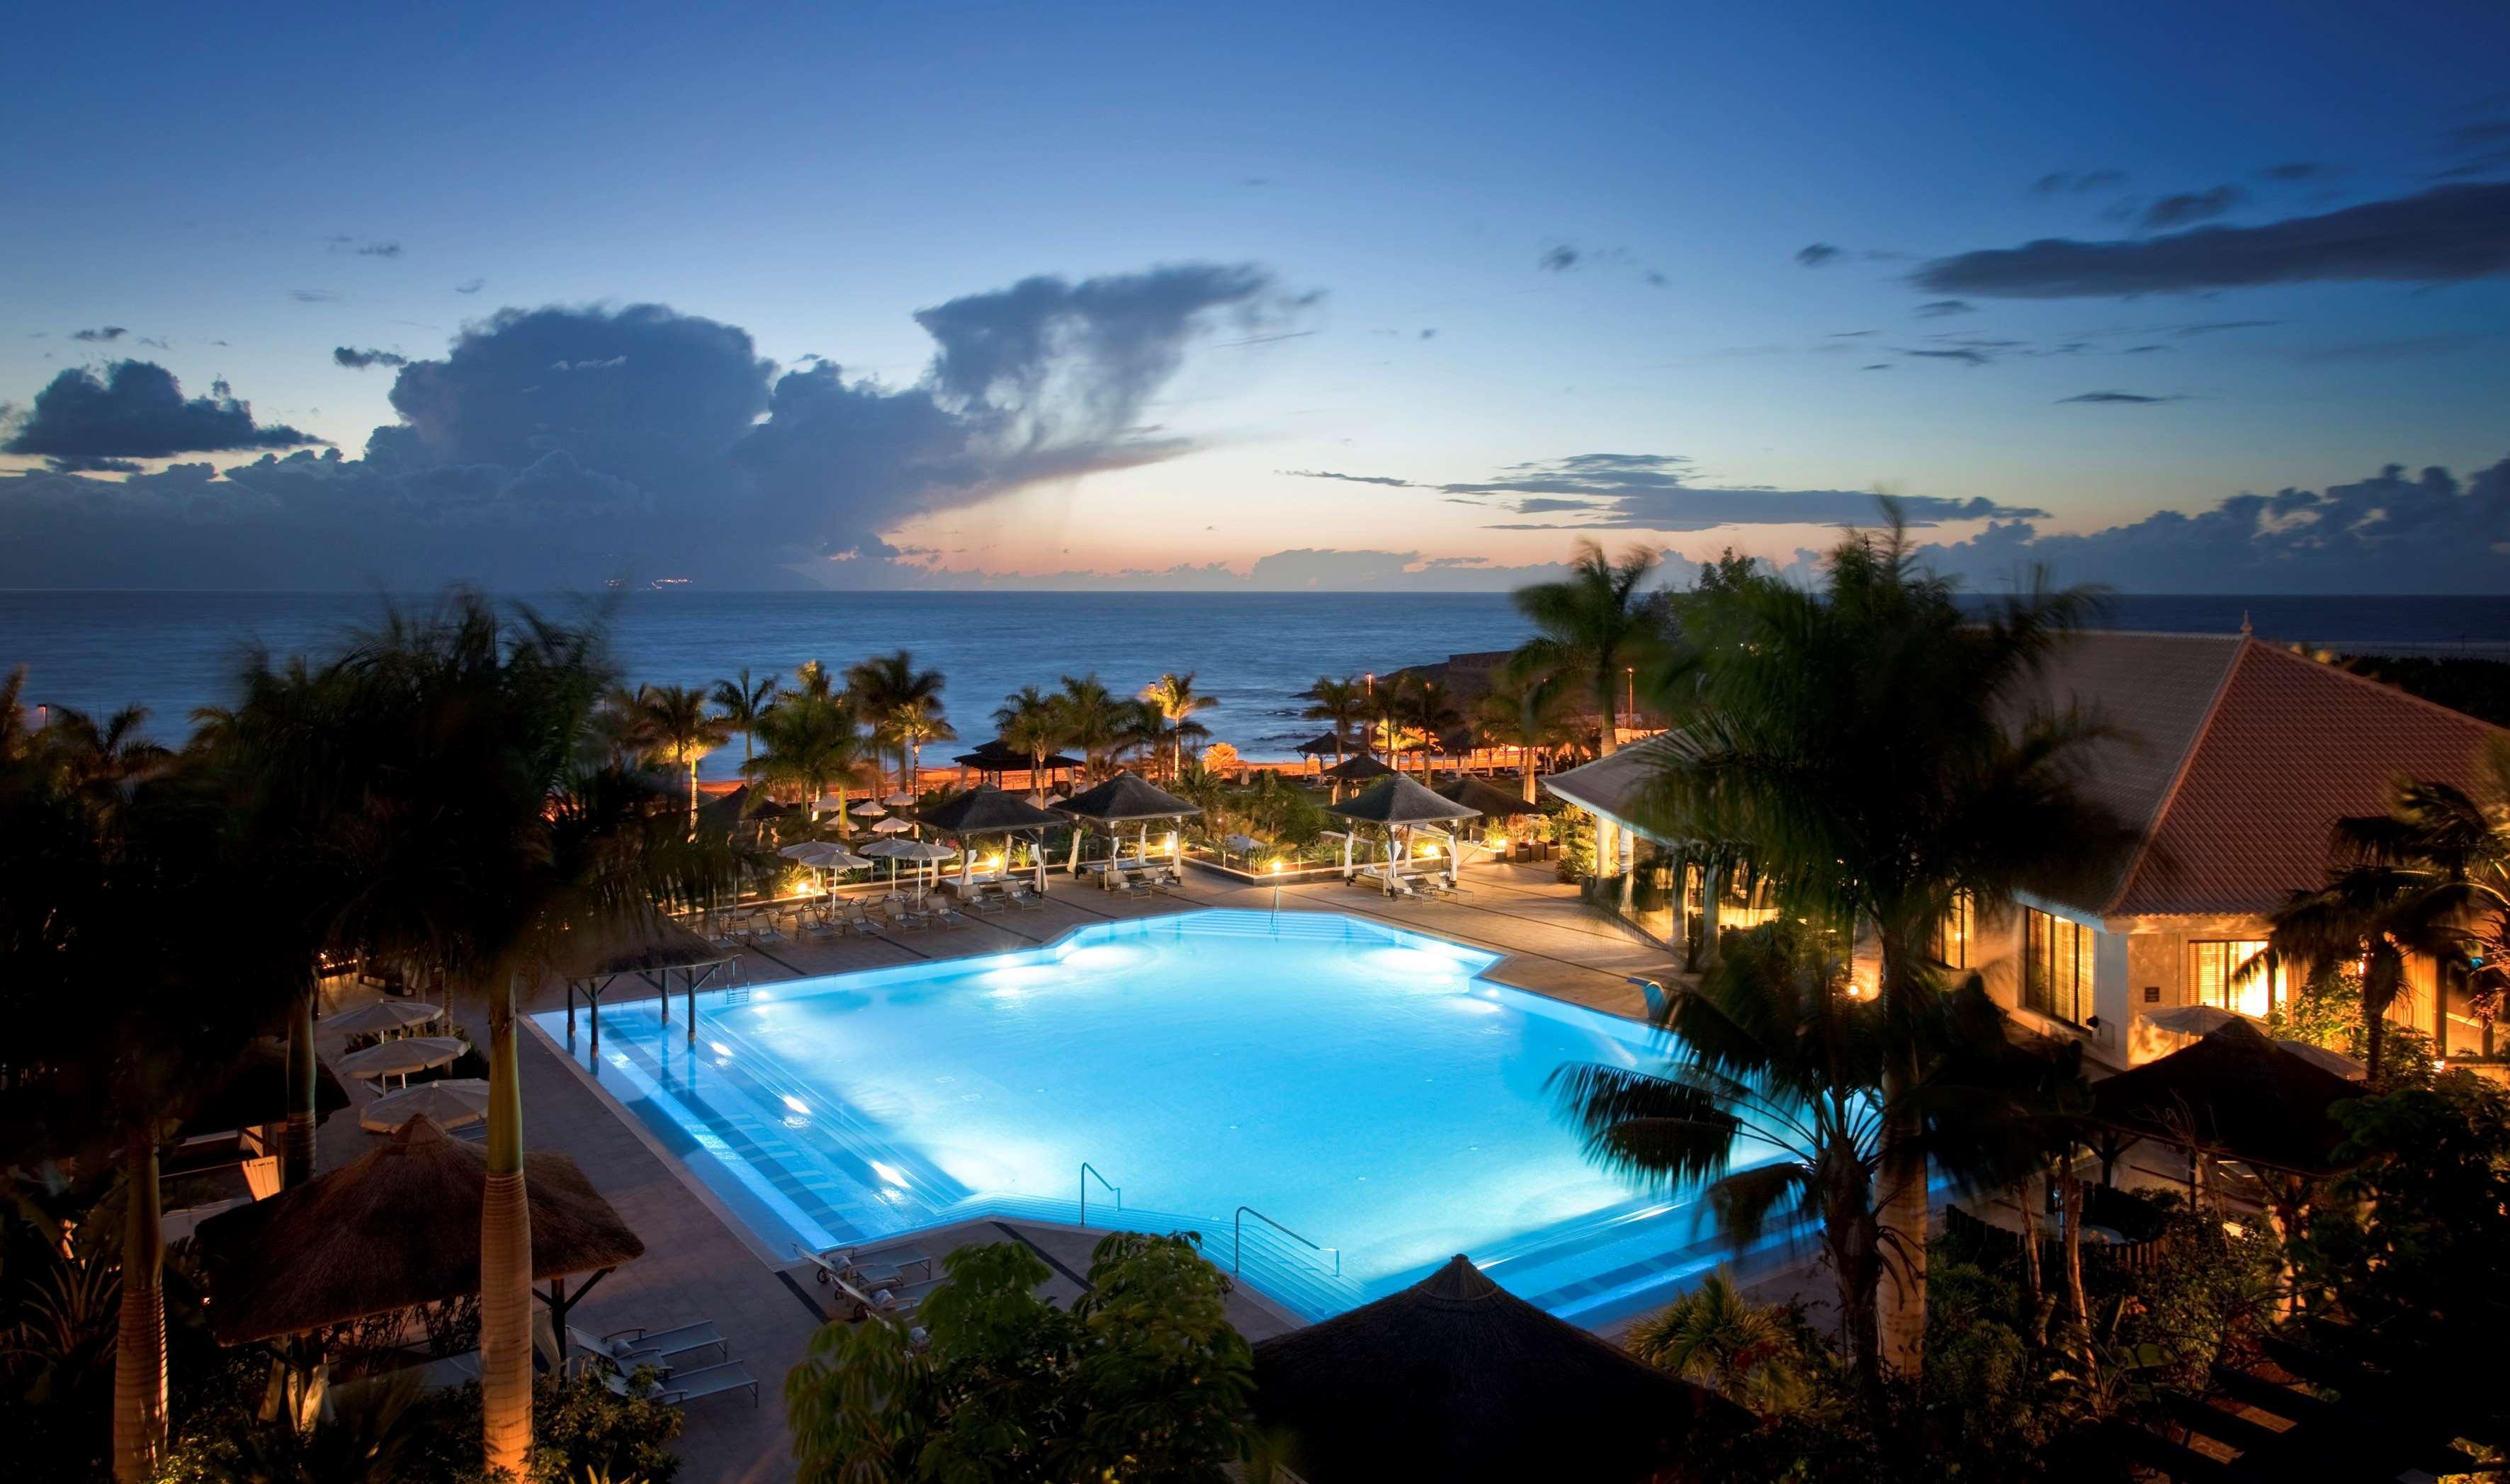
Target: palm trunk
2374 1036
2069 1210
1525 764
2021 1196
692 792
1712 901
506 1254
296 1150
1609 739
1902 1196
139 1345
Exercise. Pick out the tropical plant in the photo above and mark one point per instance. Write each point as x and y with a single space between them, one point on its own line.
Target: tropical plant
812 742
1176 703
1529 713
15 737
1093 720
1142 1377
1430 706
1714 1336
677 729
745 702
1595 627
903 706
103 760
1344 703
1874 746
1029 722
812 677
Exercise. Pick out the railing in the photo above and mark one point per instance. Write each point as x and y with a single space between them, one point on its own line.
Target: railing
1237 1238
1090 1172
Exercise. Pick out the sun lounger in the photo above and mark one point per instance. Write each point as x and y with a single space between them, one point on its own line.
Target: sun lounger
685 1387
631 1347
1026 900
902 916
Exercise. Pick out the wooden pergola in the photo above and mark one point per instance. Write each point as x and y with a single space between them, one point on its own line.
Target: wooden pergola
652 958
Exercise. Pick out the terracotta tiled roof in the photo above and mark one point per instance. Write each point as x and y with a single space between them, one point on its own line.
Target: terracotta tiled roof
2291 747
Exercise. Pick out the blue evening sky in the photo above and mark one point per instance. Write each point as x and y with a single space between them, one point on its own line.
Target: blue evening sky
1532 233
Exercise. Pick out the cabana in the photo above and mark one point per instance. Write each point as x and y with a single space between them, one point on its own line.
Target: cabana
1475 791
1458 1380
1121 800
988 810
396 1228
1359 768
1316 749
653 956
1398 803
994 758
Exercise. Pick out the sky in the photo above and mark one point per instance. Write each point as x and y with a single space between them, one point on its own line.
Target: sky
1354 296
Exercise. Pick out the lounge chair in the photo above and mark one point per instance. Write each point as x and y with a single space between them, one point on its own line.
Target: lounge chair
1166 880
859 921
906 918
684 1386
1027 899
989 900
945 915
659 1347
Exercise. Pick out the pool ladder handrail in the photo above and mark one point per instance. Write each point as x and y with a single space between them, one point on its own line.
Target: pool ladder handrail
1090 1172
1237 1236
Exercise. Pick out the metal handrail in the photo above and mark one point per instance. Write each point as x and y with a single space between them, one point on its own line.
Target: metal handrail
1237 1236
1090 1172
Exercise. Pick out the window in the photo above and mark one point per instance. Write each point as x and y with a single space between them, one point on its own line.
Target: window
1951 944
2217 982
2056 967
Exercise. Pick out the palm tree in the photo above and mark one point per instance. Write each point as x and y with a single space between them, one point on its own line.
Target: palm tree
1027 720
1716 1337
1529 714
1344 703
1860 743
1432 708
15 736
1173 697
900 701
105 760
813 742
1596 627
812 678
679 730
743 703
1093 720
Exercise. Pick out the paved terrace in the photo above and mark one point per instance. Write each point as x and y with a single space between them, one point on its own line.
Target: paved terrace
700 1264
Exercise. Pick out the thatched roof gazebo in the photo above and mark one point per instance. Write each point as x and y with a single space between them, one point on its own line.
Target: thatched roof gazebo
994 758
1125 799
1359 768
653 953
396 1228
1458 1380
985 811
1397 803
1480 793
2232 1094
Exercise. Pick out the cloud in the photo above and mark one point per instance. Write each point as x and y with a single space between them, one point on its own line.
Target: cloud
1429 335
137 410
1964 356
379 250
2118 397
2079 181
312 295
1814 254
1558 259
2447 234
2143 350
1936 309
1653 492
359 361
2297 170
2393 532
1327 474
1847 334
2481 148
2196 205
2217 327
101 333
667 444
470 285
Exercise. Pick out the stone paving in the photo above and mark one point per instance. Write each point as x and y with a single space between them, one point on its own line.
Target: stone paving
700 1264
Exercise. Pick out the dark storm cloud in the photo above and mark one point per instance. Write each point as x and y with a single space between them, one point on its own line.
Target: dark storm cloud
357 359
2118 397
2193 207
1938 308
137 410
1815 254
2390 533
2444 234
598 441
105 332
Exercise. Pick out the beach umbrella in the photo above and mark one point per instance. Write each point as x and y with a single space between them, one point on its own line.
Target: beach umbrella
820 854
381 1018
900 800
448 1104
402 1057
868 809
893 850
2320 1056
893 825
2192 1020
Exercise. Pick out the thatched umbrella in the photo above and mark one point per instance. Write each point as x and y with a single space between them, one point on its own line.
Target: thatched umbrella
1359 768
1397 803
1477 792
396 1228
257 1094
1458 1380
1125 799
986 810
994 758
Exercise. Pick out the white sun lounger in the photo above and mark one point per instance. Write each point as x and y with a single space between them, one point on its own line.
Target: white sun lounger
640 1346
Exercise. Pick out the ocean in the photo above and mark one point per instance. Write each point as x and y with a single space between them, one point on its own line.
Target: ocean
172 652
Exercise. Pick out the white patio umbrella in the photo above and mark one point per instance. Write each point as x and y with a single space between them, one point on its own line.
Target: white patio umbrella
2192 1020
868 809
381 1018
399 1058
448 1104
2333 1061
901 799
893 825
916 851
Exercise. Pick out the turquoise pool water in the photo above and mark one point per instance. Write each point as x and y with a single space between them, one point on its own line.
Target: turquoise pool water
1359 1085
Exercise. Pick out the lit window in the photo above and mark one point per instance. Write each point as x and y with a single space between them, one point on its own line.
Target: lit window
2217 981
2056 967
1951 945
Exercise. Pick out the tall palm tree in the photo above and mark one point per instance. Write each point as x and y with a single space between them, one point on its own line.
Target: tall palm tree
810 677
1344 703
899 699
911 725
744 702
678 730
105 759
813 743
1094 721
1431 707
1861 743
15 735
485 843
1596 627
1029 721
1173 697
1531 714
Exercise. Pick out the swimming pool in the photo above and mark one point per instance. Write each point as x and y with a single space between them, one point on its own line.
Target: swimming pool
1358 1086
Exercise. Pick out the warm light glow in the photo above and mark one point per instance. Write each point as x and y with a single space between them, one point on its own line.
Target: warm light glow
1277 865
993 862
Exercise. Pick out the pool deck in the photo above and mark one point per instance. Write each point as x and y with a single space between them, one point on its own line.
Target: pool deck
699 1266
